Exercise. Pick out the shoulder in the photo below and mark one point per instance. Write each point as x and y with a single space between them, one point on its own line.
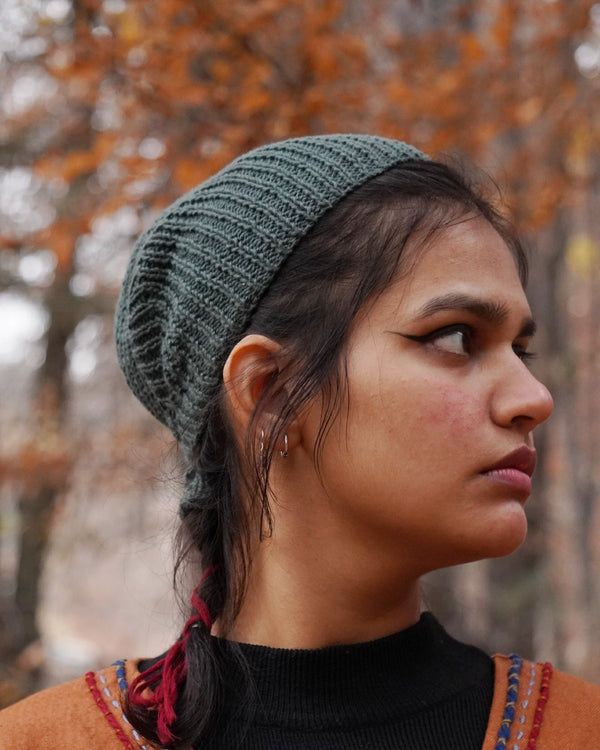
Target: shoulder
541 707
573 711
82 715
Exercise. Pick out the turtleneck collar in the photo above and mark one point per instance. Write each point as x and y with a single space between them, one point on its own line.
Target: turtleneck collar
389 678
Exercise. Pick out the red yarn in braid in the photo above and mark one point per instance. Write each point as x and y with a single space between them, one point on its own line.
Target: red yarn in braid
166 677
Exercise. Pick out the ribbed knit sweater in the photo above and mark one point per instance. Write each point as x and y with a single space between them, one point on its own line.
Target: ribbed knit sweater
416 690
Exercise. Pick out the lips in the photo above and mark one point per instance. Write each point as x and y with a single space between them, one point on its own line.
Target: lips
515 469
523 459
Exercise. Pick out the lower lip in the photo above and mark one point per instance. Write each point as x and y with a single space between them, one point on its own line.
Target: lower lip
514 478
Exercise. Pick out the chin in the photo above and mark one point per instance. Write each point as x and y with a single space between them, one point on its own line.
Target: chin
492 537
496 536
505 533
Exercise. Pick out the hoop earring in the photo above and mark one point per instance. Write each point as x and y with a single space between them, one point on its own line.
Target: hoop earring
284 452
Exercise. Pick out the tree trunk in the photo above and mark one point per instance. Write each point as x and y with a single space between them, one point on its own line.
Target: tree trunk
40 492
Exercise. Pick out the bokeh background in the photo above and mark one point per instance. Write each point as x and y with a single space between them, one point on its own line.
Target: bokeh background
110 109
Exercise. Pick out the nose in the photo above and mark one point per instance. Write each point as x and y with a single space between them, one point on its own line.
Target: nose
520 399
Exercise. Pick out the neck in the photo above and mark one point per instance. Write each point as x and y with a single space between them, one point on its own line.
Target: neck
314 584
283 612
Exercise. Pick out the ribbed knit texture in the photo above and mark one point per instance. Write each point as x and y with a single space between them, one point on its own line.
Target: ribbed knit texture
417 690
197 275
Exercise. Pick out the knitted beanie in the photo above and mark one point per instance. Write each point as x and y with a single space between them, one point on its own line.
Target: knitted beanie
198 273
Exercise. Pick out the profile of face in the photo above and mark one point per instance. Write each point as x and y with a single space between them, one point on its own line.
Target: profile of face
433 455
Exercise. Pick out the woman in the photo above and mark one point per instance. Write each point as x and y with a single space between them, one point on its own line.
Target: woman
335 330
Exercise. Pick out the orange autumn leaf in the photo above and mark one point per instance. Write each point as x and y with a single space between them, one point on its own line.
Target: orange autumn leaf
76 163
188 173
254 101
472 49
60 238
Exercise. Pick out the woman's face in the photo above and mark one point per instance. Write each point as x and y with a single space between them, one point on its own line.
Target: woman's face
433 455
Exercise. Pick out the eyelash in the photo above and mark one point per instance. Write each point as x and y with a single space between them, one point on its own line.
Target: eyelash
469 334
524 355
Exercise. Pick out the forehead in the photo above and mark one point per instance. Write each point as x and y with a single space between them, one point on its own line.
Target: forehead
469 258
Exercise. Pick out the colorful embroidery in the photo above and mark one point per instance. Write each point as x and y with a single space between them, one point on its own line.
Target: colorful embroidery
508 717
91 682
90 678
525 704
121 677
541 706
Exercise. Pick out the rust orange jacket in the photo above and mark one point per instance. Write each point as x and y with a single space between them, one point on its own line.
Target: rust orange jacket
534 708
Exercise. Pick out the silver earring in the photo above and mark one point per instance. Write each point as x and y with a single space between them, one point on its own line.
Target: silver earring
284 452
262 442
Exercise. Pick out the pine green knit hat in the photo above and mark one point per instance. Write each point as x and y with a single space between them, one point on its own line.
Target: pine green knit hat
198 273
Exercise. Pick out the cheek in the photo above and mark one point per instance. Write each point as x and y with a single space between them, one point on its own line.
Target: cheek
460 409
443 412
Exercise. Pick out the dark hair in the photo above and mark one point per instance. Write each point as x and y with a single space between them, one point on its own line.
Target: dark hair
346 260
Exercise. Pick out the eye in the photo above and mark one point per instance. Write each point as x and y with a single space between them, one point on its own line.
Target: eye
454 339
523 354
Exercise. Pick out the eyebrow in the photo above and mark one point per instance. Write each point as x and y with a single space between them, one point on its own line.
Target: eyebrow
495 313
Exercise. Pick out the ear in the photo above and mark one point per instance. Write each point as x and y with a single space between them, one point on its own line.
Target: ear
251 364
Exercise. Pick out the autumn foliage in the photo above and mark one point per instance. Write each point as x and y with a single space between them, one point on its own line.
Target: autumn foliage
496 81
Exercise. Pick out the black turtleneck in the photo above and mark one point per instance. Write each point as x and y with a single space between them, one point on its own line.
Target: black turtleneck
416 690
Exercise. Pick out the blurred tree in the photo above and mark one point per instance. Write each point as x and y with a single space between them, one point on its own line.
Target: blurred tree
113 108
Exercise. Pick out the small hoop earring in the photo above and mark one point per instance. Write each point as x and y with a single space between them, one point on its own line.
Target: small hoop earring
284 452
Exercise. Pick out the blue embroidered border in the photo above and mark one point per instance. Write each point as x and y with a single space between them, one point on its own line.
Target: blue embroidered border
514 673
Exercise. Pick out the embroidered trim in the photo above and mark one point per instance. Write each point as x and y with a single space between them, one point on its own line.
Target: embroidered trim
90 678
525 704
121 675
514 672
538 717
